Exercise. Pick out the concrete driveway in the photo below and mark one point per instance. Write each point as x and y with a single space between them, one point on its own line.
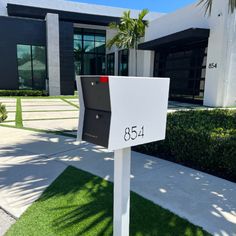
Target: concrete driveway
51 114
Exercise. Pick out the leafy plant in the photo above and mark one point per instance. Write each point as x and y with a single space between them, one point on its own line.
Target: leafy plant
203 140
3 112
129 32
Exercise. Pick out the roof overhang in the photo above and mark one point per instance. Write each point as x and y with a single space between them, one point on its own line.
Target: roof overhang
40 13
186 36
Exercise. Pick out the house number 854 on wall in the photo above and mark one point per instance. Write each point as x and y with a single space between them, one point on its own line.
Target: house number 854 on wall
134 132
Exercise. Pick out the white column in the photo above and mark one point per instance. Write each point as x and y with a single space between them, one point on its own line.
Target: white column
220 86
230 88
121 192
132 63
145 63
148 63
53 53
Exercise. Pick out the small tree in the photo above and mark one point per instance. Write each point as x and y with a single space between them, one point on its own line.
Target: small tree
208 5
129 32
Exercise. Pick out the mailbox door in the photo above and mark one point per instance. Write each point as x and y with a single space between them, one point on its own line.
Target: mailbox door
96 127
96 94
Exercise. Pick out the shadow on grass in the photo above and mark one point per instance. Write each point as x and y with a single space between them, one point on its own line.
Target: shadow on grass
78 203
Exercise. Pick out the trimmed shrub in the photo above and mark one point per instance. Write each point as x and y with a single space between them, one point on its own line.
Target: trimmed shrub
3 112
203 140
23 93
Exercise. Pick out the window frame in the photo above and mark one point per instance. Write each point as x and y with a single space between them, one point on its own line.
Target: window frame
109 57
31 65
120 64
94 33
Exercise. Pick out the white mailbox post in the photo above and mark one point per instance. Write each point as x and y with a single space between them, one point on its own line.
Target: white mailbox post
118 113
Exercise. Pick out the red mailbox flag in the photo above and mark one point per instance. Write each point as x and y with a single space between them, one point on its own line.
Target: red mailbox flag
103 79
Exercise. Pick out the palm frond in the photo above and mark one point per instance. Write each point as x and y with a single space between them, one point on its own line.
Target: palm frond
113 25
143 13
129 31
113 41
232 5
207 4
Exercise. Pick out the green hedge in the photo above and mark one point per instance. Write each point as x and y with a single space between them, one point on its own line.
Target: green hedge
3 113
23 93
204 140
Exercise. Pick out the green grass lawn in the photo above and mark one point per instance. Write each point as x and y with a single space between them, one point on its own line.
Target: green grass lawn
79 203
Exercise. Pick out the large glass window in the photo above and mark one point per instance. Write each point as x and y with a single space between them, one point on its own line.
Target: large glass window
124 62
111 64
32 70
89 51
186 67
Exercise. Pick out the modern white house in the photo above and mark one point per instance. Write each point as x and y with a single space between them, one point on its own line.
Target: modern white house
45 44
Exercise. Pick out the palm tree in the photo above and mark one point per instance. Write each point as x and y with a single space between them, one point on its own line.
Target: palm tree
208 5
129 32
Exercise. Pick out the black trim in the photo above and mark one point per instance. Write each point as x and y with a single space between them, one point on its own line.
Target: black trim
15 31
67 70
189 35
110 64
184 65
40 13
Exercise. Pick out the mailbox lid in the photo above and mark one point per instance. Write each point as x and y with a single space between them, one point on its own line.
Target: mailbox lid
96 93
96 127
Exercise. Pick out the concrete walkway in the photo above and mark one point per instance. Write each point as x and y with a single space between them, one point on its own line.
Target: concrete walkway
30 161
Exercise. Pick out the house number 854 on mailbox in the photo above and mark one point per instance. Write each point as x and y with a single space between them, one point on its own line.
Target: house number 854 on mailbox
132 133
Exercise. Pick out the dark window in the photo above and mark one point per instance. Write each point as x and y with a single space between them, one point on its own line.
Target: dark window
32 70
186 67
89 51
124 62
111 64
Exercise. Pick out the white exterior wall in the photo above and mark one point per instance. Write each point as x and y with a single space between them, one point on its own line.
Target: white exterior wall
3 9
220 85
220 88
191 16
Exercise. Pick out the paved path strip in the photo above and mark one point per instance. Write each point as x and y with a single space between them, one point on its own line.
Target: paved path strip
26 158
10 104
49 115
5 221
53 125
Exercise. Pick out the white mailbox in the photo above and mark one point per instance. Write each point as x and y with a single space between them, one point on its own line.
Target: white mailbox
118 112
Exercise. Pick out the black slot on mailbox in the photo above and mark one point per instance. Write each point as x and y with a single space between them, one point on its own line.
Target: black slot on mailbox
97 115
96 94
